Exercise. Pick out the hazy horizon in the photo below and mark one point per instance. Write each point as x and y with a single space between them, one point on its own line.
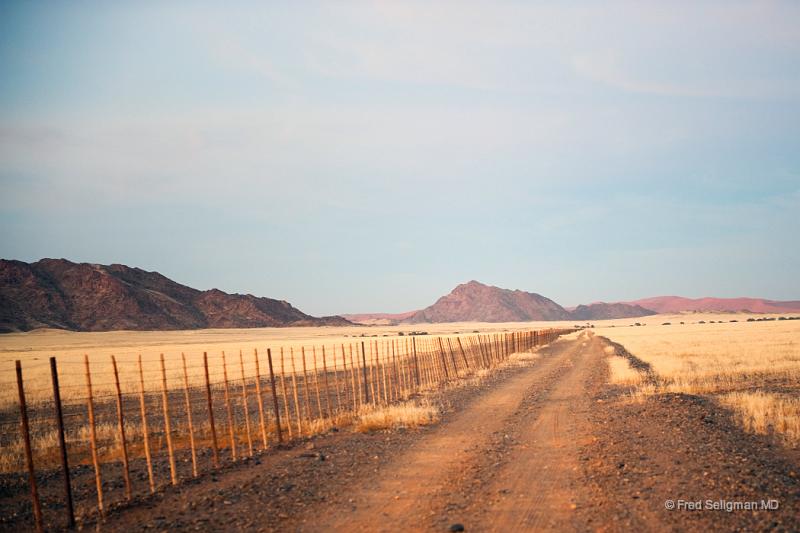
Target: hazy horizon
567 306
369 157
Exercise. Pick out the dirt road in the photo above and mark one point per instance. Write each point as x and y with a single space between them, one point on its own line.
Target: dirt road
415 489
547 446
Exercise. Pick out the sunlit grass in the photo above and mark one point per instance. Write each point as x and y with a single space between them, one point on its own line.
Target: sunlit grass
407 414
766 413
621 372
741 365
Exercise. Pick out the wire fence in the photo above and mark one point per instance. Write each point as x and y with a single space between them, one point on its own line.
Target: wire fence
136 427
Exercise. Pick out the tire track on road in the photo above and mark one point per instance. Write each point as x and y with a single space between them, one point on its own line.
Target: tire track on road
539 487
413 487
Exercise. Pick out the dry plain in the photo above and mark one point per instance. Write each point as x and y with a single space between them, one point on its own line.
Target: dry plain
596 431
34 349
750 367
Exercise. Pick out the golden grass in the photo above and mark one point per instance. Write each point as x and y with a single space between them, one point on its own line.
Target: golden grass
712 358
736 363
523 358
71 372
407 414
34 349
766 413
621 372
45 444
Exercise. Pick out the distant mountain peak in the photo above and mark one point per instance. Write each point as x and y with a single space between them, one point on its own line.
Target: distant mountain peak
470 285
476 302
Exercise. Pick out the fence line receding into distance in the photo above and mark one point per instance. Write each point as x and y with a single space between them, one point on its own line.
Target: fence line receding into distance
153 422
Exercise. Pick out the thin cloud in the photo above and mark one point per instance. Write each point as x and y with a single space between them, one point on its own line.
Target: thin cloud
607 68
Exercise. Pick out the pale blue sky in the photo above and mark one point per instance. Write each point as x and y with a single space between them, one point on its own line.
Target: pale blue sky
368 157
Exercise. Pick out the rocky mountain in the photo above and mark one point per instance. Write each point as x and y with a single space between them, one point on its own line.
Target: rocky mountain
678 304
57 293
476 302
603 311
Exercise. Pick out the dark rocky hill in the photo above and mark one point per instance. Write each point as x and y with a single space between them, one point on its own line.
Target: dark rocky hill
602 311
57 293
476 302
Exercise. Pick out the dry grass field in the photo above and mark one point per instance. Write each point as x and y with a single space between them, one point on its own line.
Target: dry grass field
34 349
316 376
752 368
528 439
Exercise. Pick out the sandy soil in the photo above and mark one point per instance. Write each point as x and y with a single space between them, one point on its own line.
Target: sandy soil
549 446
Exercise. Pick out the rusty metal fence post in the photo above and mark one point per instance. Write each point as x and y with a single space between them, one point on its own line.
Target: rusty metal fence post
364 369
62 444
274 397
26 437
209 401
93 437
126 472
